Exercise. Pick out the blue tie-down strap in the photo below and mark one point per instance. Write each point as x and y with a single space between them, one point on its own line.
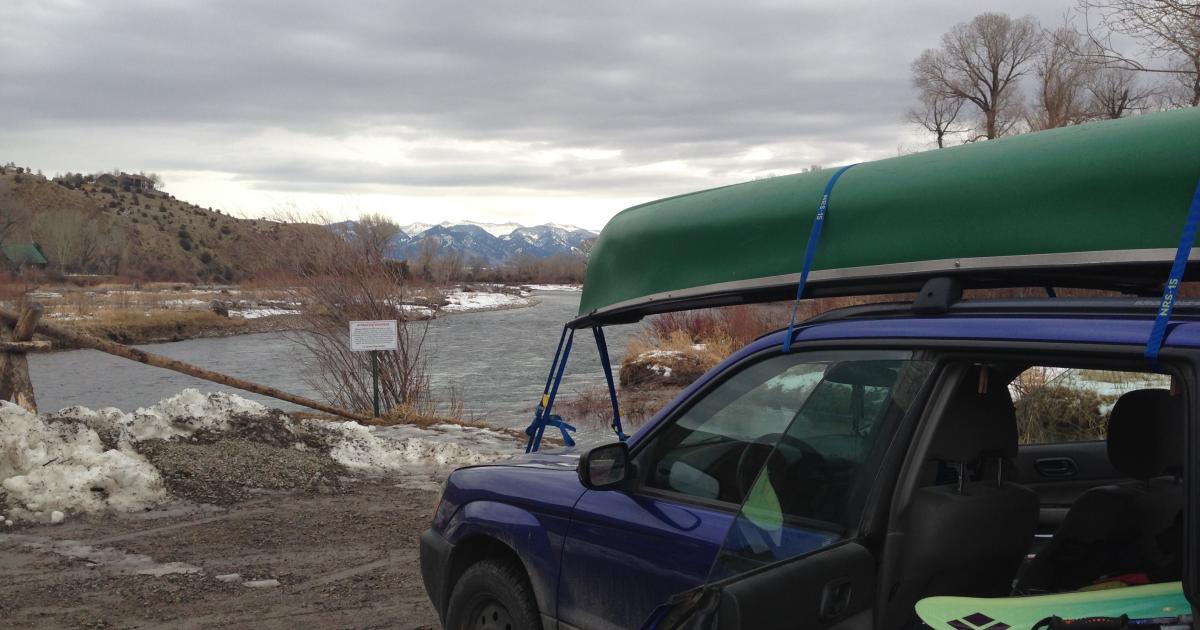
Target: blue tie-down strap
810 249
606 363
1159 331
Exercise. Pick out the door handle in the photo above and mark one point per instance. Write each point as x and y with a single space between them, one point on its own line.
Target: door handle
1056 467
835 599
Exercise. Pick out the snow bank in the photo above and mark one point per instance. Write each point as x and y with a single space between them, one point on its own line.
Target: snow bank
408 449
574 288
82 460
51 467
255 313
464 301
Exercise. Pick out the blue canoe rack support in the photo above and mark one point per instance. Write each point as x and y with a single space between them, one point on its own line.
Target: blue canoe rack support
542 416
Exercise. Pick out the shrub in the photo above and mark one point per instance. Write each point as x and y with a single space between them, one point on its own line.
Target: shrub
1057 413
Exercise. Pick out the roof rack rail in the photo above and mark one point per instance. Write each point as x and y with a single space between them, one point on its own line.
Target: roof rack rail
1138 307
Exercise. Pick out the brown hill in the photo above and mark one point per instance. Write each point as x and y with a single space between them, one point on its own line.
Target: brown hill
121 225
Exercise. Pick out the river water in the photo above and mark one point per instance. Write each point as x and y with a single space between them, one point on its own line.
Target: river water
496 361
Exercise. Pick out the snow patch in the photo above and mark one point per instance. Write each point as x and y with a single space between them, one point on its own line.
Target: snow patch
63 466
574 288
464 301
406 449
82 460
255 313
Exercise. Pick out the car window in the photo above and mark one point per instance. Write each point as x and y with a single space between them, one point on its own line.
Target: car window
810 492
1057 405
715 449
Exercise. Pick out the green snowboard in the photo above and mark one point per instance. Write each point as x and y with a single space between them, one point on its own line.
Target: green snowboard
978 613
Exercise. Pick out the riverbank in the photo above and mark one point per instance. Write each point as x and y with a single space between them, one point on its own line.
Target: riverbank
132 314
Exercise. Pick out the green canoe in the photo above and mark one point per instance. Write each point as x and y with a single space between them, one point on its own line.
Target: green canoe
1100 204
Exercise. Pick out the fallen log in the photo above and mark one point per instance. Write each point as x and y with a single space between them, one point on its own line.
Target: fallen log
80 339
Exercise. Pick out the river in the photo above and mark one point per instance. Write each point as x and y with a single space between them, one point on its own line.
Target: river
497 362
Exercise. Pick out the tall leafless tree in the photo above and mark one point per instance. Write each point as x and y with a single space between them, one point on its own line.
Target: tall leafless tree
1167 30
1115 92
981 62
938 114
1063 78
373 234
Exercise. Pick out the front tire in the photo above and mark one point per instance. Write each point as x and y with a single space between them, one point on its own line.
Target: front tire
493 595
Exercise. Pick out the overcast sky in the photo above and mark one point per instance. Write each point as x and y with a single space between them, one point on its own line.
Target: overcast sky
483 110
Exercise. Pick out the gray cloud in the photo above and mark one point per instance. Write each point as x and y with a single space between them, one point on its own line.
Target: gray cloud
697 81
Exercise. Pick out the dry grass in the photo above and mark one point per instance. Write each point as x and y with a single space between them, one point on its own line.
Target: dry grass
590 409
709 350
1056 413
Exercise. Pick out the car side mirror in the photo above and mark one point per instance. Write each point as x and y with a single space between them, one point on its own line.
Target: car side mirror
604 467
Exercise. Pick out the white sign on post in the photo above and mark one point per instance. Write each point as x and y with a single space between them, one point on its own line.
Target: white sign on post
374 335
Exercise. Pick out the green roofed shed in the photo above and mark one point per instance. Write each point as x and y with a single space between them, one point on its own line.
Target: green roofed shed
23 255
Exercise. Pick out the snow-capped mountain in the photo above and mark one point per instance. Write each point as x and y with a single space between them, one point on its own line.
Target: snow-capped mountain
491 242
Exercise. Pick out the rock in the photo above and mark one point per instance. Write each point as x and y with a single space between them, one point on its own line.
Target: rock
57 517
261 583
219 307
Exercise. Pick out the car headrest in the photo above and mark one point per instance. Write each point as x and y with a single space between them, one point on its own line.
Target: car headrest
1145 433
976 423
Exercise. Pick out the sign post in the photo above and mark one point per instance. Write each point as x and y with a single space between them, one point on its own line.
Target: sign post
373 336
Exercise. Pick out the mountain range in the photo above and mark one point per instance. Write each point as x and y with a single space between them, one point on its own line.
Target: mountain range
491 242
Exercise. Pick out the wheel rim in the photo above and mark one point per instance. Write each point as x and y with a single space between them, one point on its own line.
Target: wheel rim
491 615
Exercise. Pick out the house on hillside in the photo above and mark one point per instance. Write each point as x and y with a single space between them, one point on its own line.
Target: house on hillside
125 181
20 256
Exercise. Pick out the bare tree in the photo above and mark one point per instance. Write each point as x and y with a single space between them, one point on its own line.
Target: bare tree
981 62
345 285
1168 32
938 114
1115 93
426 257
373 234
68 237
449 267
1064 76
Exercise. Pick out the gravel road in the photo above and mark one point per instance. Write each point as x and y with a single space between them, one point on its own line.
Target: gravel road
342 558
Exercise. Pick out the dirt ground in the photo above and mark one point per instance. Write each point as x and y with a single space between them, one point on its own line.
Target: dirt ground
345 558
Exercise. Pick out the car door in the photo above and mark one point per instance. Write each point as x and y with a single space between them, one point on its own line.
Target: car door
628 551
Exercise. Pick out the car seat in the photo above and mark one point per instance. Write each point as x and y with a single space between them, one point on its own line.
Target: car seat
967 537
1132 527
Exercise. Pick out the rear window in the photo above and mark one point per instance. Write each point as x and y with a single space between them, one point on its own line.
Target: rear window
1056 405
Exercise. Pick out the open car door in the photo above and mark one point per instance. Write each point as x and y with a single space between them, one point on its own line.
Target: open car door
813 486
830 589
